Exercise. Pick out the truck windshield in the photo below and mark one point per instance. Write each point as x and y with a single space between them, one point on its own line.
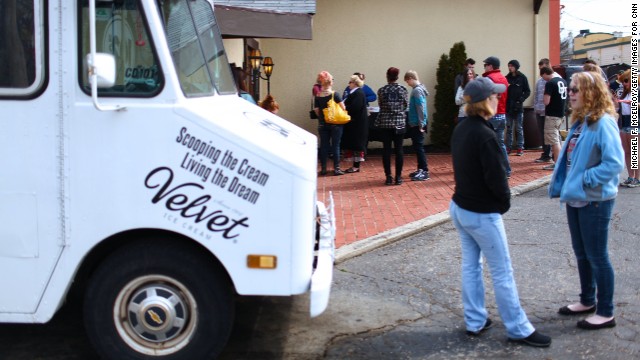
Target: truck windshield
196 47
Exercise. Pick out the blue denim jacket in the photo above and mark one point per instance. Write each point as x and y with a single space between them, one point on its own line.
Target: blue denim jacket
596 162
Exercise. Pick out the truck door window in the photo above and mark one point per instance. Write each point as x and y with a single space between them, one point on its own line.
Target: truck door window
196 48
21 48
121 30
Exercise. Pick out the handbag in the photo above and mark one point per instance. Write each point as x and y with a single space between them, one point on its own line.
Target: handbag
312 113
334 114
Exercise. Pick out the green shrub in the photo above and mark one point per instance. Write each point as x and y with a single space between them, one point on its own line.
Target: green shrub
446 109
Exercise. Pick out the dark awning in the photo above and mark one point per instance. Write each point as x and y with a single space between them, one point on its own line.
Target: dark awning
244 22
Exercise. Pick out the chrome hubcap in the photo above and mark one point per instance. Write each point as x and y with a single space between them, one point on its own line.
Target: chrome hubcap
155 315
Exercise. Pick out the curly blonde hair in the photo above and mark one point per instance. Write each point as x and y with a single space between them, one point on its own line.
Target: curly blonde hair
596 98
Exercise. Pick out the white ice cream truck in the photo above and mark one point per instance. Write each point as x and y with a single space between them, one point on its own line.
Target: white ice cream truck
132 172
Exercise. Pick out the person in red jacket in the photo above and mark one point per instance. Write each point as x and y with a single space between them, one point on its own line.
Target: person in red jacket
499 120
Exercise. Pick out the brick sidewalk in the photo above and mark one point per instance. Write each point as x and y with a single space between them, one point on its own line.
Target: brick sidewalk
366 207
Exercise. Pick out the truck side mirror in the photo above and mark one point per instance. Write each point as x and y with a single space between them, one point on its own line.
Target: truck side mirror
102 69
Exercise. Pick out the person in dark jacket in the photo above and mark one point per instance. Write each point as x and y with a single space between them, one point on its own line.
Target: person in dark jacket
481 195
356 131
518 91
370 95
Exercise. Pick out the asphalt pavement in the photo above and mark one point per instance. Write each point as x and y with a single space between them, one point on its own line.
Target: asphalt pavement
401 300
397 296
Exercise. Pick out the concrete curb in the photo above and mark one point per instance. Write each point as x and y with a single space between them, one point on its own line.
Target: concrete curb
358 248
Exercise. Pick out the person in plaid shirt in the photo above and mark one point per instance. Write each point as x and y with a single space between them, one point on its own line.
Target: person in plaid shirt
393 99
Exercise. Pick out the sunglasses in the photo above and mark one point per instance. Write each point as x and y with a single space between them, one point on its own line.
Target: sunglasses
626 81
574 90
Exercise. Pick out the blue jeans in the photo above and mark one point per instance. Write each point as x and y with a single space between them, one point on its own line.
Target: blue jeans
498 122
484 234
515 121
589 228
417 140
330 136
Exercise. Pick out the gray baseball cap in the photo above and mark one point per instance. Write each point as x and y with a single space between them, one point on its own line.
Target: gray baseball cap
493 61
481 88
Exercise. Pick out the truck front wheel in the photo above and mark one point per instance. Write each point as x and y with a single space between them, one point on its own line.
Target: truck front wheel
158 301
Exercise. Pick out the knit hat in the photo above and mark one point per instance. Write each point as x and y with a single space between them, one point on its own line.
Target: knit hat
515 64
493 61
482 88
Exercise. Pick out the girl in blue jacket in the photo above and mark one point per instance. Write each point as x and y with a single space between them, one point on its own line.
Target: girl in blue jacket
585 177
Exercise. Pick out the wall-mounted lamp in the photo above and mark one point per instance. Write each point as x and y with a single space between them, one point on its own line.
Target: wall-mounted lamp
256 60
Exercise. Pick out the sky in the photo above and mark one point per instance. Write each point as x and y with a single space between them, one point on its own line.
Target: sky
596 15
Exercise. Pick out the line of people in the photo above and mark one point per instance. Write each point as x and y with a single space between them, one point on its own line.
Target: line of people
550 105
400 112
510 112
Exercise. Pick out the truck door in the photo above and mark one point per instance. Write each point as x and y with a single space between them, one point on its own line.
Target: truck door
31 156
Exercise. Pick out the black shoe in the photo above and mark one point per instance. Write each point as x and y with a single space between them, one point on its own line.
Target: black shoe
584 324
487 325
535 339
544 159
398 180
389 181
323 172
421 176
566 311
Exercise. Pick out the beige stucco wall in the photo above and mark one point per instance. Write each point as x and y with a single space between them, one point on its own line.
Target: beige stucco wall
235 50
371 35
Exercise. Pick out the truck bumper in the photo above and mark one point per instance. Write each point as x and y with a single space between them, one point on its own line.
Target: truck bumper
323 274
